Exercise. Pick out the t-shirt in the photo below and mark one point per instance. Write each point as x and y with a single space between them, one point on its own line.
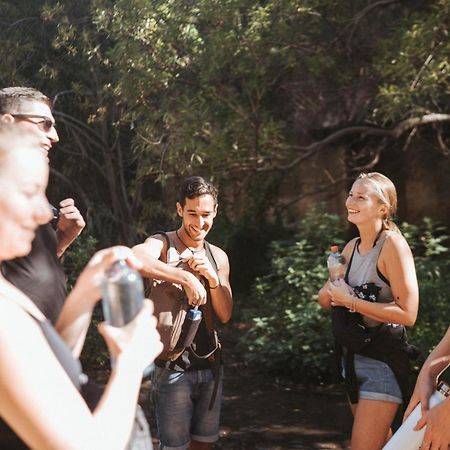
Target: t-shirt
40 274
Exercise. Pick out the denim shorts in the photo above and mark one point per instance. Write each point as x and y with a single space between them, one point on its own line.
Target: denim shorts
376 380
182 412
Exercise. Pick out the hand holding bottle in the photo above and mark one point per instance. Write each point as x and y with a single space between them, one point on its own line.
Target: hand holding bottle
89 283
138 342
341 294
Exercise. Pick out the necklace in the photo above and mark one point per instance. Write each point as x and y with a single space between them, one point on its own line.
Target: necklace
189 248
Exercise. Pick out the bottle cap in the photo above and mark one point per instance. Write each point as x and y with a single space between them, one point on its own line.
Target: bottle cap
334 248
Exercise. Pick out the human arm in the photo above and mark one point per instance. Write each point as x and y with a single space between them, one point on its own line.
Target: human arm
149 253
75 317
219 282
42 405
397 264
69 226
437 361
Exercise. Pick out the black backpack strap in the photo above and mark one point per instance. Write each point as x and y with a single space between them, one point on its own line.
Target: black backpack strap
166 238
210 256
215 359
351 259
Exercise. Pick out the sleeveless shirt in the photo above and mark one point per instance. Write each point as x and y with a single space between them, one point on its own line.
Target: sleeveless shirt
201 344
367 281
8 438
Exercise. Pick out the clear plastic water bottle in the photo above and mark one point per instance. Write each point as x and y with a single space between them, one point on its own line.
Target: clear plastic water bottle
406 438
123 294
336 264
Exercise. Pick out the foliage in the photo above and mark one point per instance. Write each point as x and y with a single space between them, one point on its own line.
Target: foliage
414 64
290 333
78 255
148 92
430 245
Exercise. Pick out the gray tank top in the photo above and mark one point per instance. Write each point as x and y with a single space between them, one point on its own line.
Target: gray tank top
366 280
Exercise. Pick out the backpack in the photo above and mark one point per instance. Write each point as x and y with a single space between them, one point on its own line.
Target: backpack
171 308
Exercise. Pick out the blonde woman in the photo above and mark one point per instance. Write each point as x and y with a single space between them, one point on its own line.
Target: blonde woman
378 297
40 381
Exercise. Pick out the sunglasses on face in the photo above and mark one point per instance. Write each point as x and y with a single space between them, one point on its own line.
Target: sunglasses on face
46 124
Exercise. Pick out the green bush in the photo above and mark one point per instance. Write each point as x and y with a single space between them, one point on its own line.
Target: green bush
291 334
428 242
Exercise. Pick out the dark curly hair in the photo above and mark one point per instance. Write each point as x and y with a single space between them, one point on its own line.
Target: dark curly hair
194 187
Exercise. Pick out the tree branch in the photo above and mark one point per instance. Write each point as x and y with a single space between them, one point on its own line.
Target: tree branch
394 133
424 66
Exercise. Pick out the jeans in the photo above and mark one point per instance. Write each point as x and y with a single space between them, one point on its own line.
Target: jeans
182 412
376 380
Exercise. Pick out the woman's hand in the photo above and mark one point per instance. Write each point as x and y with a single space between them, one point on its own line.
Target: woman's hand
437 422
138 341
340 293
425 386
88 285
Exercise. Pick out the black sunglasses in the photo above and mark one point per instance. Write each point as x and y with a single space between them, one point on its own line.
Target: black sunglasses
45 124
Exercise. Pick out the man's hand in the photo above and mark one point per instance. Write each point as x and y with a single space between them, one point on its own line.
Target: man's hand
69 226
195 291
202 265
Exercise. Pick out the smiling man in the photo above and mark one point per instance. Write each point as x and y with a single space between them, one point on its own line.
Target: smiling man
40 274
187 391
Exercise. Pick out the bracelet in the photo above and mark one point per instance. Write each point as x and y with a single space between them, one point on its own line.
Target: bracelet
352 308
216 286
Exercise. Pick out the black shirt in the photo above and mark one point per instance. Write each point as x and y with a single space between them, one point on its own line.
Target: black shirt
40 274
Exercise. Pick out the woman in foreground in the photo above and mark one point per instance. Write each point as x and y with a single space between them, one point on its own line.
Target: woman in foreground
40 382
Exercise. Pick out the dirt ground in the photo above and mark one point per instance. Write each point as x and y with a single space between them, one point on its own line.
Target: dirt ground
261 412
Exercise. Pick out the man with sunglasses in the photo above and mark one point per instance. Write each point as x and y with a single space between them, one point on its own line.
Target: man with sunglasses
40 274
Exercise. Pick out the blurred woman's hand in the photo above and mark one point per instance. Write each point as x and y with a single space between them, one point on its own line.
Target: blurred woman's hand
88 284
138 341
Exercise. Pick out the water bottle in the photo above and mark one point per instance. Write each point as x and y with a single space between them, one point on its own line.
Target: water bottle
406 438
190 327
123 294
336 264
